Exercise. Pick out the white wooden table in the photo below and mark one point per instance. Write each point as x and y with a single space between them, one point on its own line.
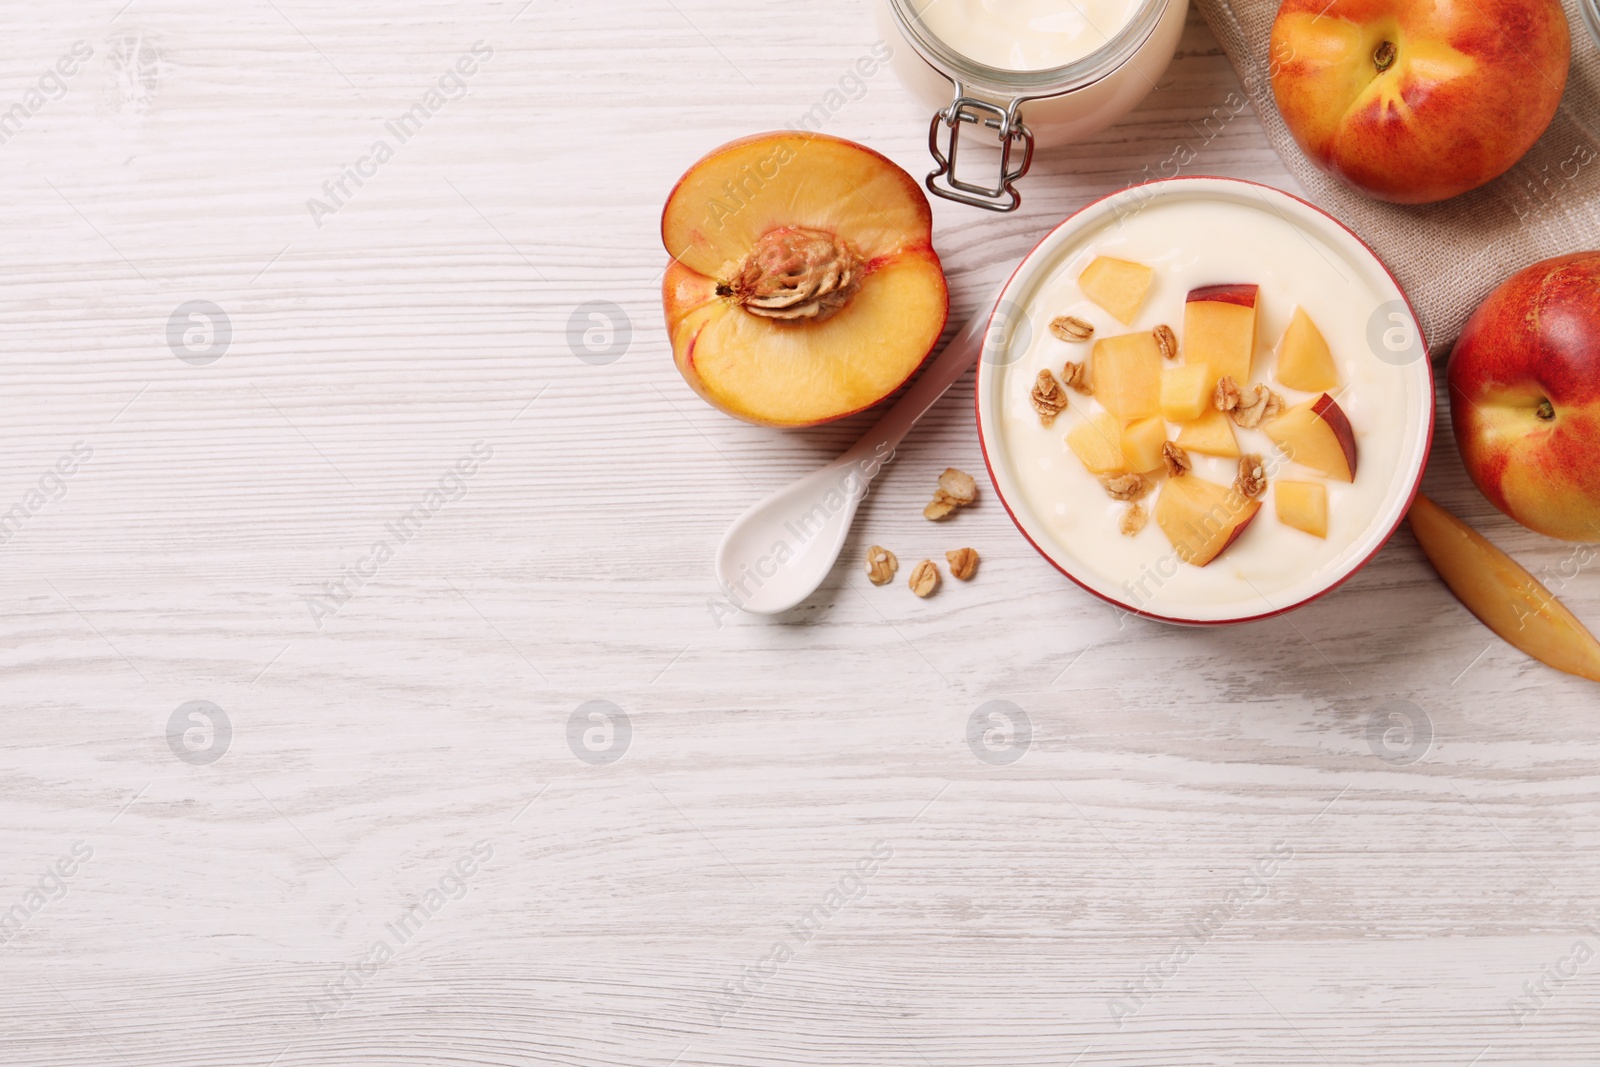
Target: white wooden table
804 782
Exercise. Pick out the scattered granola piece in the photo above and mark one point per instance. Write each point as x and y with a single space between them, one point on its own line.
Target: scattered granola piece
963 563
959 486
1176 459
881 565
1071 328
956 490
1252 480
1259 405
1076 376
1225 397
1126 486
1049 399
1167 341
1133 520
924 578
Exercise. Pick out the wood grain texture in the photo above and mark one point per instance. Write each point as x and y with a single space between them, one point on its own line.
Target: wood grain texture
371 749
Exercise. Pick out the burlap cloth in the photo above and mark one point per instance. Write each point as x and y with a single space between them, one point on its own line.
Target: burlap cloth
1448 256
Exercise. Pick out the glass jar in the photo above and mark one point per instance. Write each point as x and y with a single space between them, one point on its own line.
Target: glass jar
1025 109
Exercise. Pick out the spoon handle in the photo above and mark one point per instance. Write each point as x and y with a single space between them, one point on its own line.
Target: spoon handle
945 370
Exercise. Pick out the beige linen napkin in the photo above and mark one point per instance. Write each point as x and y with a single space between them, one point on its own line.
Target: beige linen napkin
1448 256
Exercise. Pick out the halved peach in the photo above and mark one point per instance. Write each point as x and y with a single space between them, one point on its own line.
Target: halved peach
1202 518
1219 329
1118 285
804 285
1304 360
1317 434
1302 505
1126 374
1210 435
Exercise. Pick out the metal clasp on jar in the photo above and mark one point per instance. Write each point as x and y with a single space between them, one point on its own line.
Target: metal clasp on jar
1008 126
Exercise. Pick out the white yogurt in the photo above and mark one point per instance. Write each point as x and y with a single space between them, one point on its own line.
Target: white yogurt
1025 34
1191 242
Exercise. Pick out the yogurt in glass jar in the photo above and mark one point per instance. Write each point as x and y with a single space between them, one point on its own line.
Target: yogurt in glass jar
1025 34
1025 74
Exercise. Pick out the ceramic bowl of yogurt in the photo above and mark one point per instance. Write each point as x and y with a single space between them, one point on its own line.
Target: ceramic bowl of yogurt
1194 235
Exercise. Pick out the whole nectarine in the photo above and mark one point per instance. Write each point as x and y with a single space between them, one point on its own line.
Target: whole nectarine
1525 396
1417 102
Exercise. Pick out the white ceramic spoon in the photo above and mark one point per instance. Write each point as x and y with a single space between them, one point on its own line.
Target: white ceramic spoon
777 553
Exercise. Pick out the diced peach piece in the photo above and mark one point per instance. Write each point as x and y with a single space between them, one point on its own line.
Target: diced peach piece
1186 391
1141 443
1117 285
1303 505
1504 597
1219 329
1304 361
1098 442
1126 374
1210 435
1202 518
1316 434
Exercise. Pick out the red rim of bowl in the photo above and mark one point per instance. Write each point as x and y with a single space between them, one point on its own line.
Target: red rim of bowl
1411 492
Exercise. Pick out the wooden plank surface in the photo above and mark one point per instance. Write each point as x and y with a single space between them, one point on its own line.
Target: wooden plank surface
790 854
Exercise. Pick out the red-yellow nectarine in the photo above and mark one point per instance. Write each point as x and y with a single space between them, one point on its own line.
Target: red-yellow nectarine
1525 396
1416 102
